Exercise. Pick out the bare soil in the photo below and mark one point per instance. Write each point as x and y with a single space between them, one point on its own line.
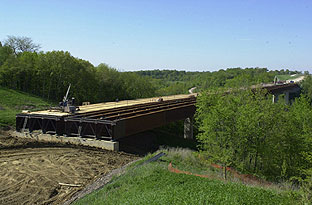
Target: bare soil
30 172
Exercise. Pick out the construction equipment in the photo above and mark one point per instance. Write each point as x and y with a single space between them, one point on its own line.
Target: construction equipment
68 105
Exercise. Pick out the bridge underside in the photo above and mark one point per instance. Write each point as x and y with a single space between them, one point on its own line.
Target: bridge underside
278 89
110 124
290 91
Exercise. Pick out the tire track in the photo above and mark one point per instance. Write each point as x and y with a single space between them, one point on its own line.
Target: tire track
32 175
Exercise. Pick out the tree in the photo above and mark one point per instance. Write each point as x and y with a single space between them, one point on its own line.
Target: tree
307 86
216 115
5 53
21 44
247 131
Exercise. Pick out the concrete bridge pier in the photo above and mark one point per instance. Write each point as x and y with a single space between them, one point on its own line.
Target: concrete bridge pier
288 91
188 128
286 97
275 98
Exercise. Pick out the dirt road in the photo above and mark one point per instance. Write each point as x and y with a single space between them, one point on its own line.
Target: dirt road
30 172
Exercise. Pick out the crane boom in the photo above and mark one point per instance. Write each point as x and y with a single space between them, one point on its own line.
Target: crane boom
65 97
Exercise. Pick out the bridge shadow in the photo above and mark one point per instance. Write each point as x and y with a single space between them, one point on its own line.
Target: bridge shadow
150 141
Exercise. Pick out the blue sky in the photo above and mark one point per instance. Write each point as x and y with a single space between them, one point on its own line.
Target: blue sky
193 35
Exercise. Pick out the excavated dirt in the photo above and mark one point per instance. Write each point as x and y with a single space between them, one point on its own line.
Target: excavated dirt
31 172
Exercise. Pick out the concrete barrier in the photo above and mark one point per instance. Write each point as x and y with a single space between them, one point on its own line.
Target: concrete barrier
103 144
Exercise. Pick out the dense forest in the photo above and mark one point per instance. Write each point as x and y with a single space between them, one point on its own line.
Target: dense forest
48 74
247 131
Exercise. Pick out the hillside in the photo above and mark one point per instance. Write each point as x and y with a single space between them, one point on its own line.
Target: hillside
13 102
175 82
156 183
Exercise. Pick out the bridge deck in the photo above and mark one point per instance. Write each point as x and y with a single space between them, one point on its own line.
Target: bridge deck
110 120
110 105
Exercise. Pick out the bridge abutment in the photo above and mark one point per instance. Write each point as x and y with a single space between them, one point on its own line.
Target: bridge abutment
39 137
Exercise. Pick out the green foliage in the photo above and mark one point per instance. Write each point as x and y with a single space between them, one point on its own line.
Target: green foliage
21 44
5 53
245 130
172 82
307 86
218 125
48 75
114 85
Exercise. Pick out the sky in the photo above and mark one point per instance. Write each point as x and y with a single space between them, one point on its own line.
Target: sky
191 35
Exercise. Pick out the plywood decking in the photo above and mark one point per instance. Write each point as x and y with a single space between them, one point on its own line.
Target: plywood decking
109 105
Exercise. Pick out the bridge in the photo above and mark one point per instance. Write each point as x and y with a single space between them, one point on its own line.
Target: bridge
110 121
113 120
289 90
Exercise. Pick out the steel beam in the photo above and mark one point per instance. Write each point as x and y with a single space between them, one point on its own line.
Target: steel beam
110 124
147 121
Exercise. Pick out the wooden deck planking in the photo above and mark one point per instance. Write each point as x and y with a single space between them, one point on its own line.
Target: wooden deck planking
109 105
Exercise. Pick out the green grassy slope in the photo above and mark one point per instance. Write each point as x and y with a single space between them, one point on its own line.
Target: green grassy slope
288 77
154 184
13 102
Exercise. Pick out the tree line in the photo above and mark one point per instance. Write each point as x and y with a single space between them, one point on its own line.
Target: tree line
48 74
173 81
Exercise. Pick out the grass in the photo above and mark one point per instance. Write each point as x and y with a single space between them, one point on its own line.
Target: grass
153 184
13 102
288 77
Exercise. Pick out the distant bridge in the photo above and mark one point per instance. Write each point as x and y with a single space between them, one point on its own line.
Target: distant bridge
286 89
114 120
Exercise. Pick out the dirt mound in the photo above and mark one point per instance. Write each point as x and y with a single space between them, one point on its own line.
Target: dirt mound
31 173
